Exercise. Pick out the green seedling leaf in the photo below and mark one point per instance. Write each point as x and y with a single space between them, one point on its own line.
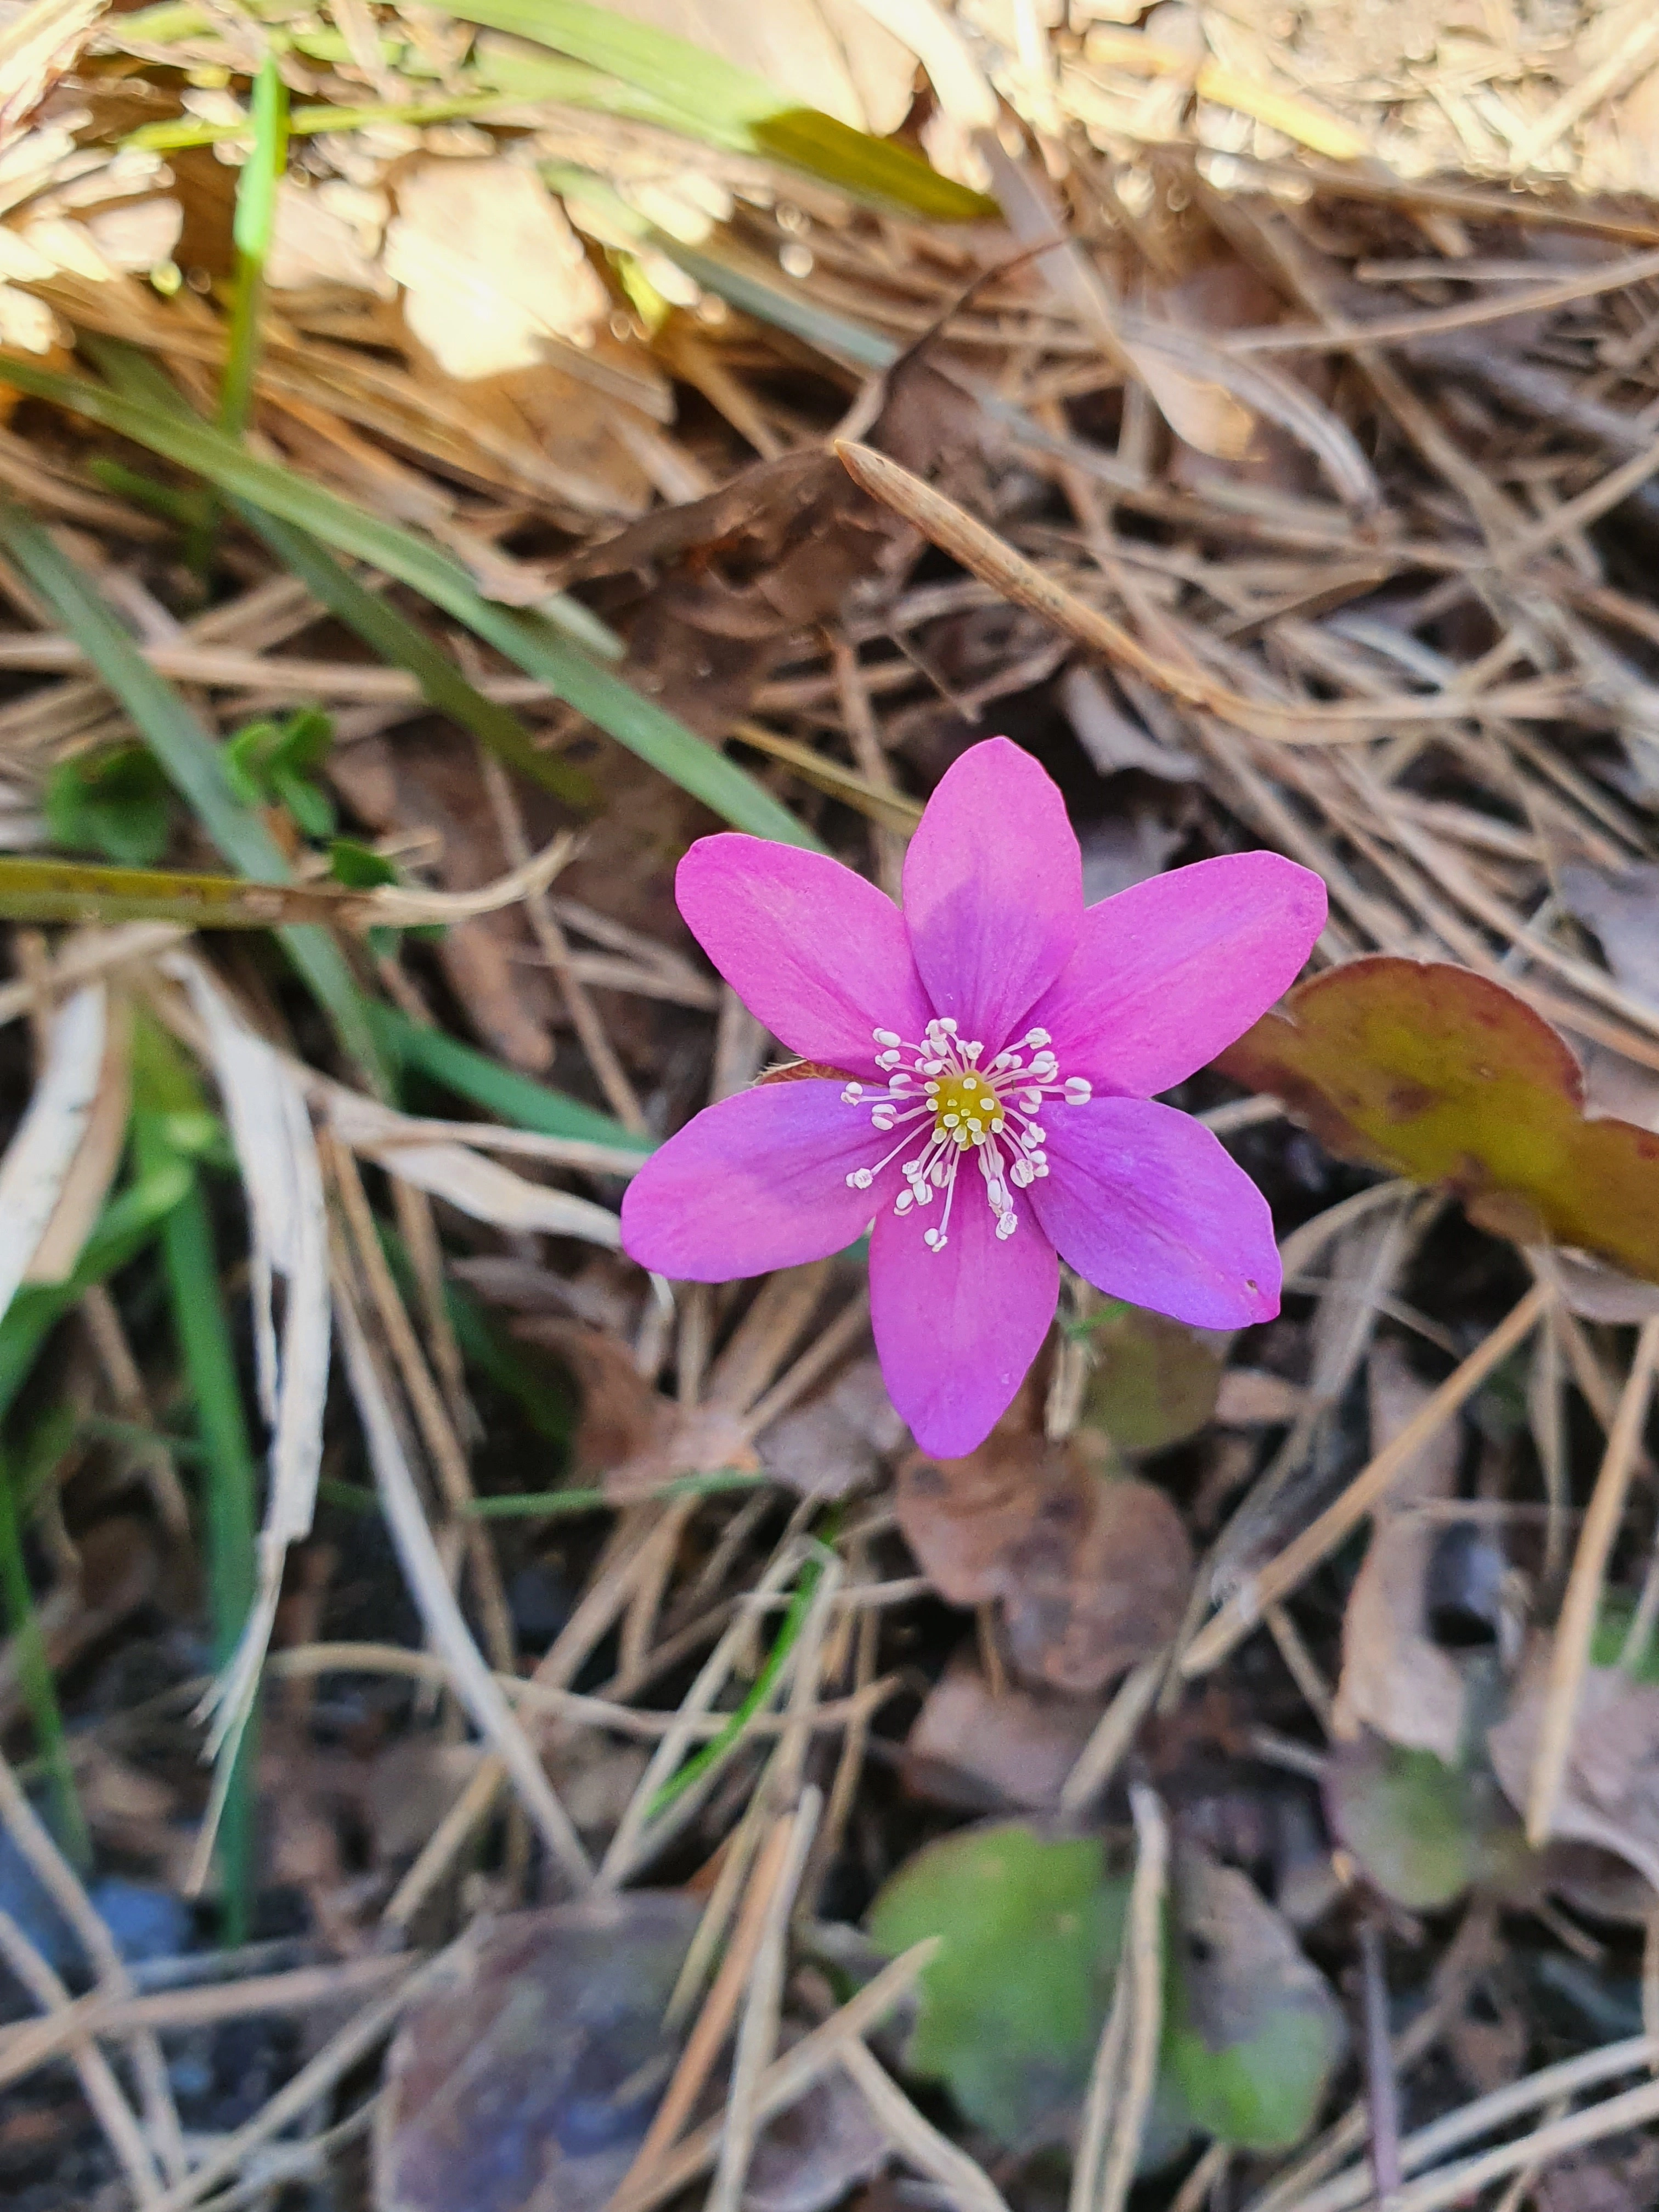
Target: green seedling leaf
1012 2006
1255 2032
272 763
1431 1072
1422 1831
1152 1383
117 803
358 867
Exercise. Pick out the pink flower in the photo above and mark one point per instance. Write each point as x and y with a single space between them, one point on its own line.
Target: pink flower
998 1047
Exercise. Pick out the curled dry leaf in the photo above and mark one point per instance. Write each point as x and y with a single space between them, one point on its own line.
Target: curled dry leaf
1610 1793
1092 1572
976 1746
1437 1073
1396 1678
1255 2032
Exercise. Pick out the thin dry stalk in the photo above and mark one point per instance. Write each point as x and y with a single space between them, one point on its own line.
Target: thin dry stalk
314 2079
962 2179
757 2035
1570 1654
1235 1620
613 1580
103 2092
719 2009
1569 2077
25 2047
1114 1732
59 1879
786 2078
585 1016
444 1447
423 1568
1125 2070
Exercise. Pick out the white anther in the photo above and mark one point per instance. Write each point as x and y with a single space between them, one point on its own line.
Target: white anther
970 1052
852 1095
941 1173
996 1191
904 1202
1078 1090
1004 1059
1006 1224
884 1117
935 1239
886 1059
887 1036
1036 1135
1019 1174
861 1179
1037 1037
948 1025
1030 1100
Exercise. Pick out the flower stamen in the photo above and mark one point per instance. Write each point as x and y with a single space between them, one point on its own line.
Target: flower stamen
950 1106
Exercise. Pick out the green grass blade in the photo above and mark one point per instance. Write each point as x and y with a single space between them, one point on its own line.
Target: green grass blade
190 758
404 645
711 98
503 1092
530 640
127 1223
251 232
550 1504
34 1674
202 1328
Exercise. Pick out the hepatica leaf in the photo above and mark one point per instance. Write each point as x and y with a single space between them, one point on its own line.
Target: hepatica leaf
1152 1381
1012 2006
1422 1830
1438 1074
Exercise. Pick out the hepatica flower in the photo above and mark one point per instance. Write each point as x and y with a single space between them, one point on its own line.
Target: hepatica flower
995 1048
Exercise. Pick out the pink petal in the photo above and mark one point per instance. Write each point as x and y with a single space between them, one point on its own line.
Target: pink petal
1146 1205
814 951
1166 974
993 891
756 1182
956 1330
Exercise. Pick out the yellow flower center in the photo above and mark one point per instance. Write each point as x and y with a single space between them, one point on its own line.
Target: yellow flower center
966 1110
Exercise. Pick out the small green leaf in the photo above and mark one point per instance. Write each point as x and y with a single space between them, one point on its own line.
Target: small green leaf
116 803
1012 2006
358 867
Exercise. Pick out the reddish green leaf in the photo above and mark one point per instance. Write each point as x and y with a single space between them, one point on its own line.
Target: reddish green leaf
1437 1073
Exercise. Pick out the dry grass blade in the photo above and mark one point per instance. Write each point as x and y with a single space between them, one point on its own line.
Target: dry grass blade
962 2180
1342 722
1125 2070
1570 1654
445 1623
39 1157
103 2092
788 2077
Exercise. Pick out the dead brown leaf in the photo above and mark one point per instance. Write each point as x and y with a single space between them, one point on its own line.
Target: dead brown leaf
1610 1793
1396 1678
837 1441
985 1749
631 1439
490 265
1093 1571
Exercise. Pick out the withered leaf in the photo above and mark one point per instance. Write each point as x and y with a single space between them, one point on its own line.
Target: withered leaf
1610 1792
1092 1572
1434 1073
976 1746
